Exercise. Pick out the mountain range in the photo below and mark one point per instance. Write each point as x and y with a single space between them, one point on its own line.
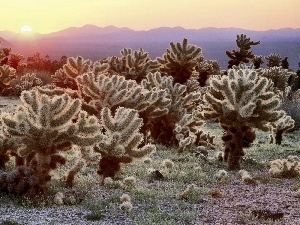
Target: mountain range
93 42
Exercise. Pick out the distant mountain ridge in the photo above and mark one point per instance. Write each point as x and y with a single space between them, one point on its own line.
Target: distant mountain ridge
95 42
157 34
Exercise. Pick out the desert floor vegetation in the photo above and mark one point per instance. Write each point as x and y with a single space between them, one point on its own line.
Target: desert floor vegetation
184 192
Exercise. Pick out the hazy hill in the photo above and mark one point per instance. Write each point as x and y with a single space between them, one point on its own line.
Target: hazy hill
98 42
4 43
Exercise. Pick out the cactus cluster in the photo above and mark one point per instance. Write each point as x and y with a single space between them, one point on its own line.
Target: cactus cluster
179 123
118 105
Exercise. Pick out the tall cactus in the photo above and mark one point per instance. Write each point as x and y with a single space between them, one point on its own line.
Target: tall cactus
241 102
183 104
46 125
122 140
180 60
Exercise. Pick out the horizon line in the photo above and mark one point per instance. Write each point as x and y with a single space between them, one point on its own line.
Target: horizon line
33 32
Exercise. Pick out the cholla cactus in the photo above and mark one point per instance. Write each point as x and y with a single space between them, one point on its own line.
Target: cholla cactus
2 55
126 206
15 61
222 176
121 141
134 65
257 61
182 103
47 125
76 168
246 177
74 67
27 82
205 139
7 74
5 52
180 60
4 153
278 75
129 182
274 59
240 102
281 126
284 168
168 164
104 91
186 131
243 55
6 147
60 79
125 198
205 69
284 63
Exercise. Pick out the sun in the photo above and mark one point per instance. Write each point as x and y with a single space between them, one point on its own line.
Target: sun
26 29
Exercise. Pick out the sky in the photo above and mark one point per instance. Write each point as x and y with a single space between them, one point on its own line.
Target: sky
46 16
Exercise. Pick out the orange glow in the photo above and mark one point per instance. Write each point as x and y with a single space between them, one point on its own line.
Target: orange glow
49 16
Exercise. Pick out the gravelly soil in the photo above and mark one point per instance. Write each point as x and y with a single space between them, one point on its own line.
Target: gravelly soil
239 200
233 207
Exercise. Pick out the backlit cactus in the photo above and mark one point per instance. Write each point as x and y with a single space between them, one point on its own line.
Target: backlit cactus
279 127
46 125
181 108
122 141
7 74
180 60
134 65
278 75
115 91
60 79
273 59
241 102
65 77
206 68
27 82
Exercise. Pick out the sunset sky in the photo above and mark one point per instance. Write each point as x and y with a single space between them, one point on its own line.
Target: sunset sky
46 16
